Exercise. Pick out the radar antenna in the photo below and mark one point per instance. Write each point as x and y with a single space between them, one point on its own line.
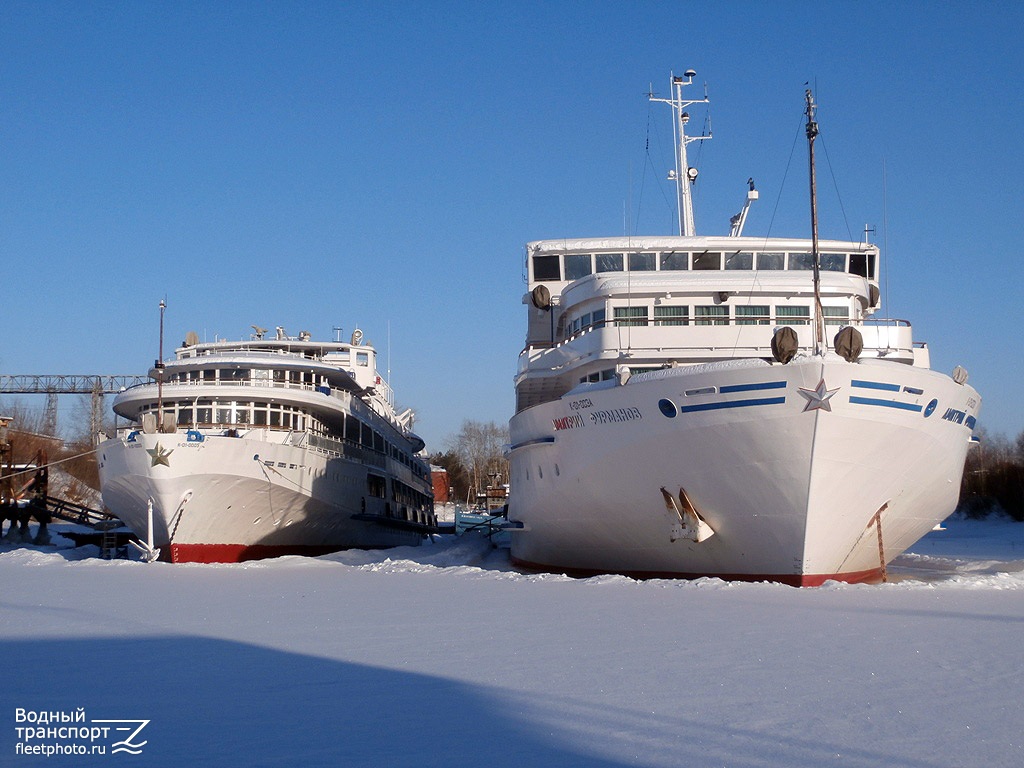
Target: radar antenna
683 175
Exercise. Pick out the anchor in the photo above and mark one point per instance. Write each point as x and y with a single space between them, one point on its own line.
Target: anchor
691 525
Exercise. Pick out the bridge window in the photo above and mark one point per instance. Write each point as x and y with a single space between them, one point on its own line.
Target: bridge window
671 315
739 260
833 262
674 261
863 264
771 261
641 262
752 315
577 265
801 261
609 262
707 260
546 269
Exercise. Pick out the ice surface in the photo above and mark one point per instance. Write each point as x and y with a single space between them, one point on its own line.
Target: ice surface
444 655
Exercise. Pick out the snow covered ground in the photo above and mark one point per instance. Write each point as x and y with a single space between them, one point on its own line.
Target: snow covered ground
444 655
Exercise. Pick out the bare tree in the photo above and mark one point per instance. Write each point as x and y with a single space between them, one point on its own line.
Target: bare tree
480 447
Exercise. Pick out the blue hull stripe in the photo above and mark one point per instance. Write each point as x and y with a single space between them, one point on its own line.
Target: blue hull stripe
875 385
535 441
731 404
752 387
886 403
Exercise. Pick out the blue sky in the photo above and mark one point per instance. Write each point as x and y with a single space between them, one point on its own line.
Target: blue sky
315 165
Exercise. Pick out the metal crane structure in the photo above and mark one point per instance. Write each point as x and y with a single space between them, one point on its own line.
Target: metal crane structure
68 384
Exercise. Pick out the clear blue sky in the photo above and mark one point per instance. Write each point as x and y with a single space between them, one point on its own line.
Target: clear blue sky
338 164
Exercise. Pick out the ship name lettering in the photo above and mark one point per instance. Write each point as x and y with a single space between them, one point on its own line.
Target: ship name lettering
615 415
953 415
568 422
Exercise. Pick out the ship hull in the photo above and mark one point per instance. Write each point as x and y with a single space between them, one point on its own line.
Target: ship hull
817 470
228 499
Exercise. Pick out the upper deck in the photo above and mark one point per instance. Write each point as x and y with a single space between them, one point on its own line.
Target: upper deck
684 300
556 263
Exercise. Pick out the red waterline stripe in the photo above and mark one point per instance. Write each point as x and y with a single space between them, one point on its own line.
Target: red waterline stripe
237 553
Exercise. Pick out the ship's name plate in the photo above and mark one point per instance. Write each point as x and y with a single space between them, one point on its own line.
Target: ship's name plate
597 417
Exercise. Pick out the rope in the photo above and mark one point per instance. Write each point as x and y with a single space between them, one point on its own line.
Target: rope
785 174
33 470
835 184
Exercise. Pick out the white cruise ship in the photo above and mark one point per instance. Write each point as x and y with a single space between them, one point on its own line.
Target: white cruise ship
728 406
247 449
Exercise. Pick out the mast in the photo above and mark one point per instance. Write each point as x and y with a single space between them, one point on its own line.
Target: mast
160 371
812 133
683 175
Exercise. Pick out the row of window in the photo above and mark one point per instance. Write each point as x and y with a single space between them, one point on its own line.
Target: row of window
552 267
409 504
712 314
254 375
205 412
233 414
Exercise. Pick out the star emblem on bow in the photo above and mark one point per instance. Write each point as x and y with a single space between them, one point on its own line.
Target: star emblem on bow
818 398
160 454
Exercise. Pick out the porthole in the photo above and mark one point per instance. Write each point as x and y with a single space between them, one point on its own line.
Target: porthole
667 407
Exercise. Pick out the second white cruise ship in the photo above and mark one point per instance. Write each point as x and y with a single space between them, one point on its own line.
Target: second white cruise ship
247 449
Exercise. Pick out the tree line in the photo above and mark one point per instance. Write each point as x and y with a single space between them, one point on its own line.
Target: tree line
994 477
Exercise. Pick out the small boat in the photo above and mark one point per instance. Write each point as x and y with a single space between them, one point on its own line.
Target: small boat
240 450
725 406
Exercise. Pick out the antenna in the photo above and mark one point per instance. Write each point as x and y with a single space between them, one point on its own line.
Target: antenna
683 175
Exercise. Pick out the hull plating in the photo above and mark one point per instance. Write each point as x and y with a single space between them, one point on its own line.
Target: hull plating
789 465
227 499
